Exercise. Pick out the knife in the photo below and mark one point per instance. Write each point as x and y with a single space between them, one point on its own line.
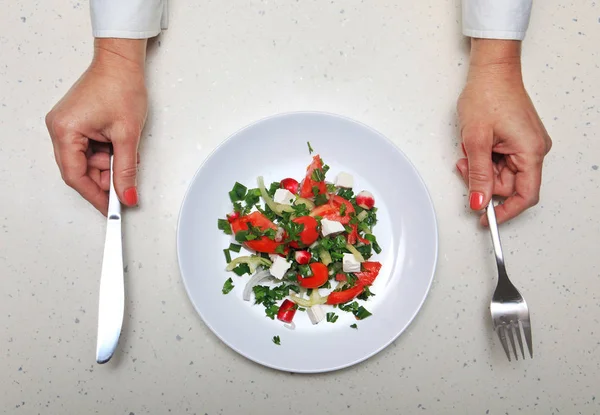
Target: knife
112 288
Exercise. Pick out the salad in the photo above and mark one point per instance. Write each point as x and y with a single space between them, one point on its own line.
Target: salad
311 240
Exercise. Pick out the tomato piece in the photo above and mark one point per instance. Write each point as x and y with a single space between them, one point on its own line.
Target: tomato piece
286 312
290 184
370 271
306 190
331 210
339 297
319 277
341 277
256 219
309 234
353 236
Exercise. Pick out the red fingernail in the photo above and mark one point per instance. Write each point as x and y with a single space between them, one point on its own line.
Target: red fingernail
476 201
463 148
131 197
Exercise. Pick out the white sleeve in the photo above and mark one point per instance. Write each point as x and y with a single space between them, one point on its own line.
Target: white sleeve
496 19
130 19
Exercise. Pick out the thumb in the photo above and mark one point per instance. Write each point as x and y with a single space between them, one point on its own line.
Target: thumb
478 146
125 170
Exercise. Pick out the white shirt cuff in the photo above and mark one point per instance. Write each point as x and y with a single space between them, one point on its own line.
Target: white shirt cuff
129 19
496 19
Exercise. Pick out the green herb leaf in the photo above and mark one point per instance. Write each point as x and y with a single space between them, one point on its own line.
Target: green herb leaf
332 317
238 192
365 294
310 149
301 309
280 249
228 286
227 255
320 199
271 311
345 193
252 198
354 326
223 224
318 175
277 340
235 248
343 208
273 188
241 269
362 313
241 236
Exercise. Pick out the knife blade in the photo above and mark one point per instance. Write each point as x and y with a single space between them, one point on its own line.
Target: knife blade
112 288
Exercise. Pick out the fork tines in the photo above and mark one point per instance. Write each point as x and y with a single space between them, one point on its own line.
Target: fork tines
512 330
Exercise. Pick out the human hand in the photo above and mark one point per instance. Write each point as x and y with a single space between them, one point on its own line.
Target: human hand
503 138
107 105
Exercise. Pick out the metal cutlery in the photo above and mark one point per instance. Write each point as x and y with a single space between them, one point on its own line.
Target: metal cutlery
112 287
509 309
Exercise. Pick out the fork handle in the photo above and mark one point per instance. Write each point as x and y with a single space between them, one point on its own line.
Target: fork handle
491 215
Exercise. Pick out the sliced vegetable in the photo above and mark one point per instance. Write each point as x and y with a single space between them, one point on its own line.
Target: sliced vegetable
255 280
308 183
325 256
277 208
365 200
340 297
370 271
286 311
308 234
290 185
228 286
320 275
256 223
302 257
331 210
252 261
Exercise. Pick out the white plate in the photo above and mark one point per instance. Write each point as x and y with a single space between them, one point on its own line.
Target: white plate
276 148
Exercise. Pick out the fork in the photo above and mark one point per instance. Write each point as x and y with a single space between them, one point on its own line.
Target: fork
508 307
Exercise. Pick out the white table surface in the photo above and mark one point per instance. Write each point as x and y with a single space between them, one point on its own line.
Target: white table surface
395 65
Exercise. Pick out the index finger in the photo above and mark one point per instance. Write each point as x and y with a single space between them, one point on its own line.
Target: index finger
527 194
74 170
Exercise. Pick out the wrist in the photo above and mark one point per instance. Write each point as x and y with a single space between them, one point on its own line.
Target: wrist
125 54
495 57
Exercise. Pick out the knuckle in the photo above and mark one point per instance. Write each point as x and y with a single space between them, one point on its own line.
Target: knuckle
474 136
68 177
58 124
533 199
128 172
548 144
478 175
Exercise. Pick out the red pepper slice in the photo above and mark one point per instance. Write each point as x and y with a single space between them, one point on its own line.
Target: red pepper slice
286 312
339 297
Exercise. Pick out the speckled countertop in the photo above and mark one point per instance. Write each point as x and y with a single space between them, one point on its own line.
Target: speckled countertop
395 65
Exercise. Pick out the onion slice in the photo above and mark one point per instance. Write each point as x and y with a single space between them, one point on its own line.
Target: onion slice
255 280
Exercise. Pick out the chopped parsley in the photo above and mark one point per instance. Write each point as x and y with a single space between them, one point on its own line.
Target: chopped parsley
242 269
365 294
362 313
277 340
345 193
320 199
354 326
238 192
310 149
269 297
332 317
318 175
223 224
228 286
227 255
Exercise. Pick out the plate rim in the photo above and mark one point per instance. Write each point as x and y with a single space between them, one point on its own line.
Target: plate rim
435 228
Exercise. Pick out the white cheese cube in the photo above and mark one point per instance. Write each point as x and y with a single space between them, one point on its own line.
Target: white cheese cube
315 314
350 264
279 267
331 227
284 196
344 180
